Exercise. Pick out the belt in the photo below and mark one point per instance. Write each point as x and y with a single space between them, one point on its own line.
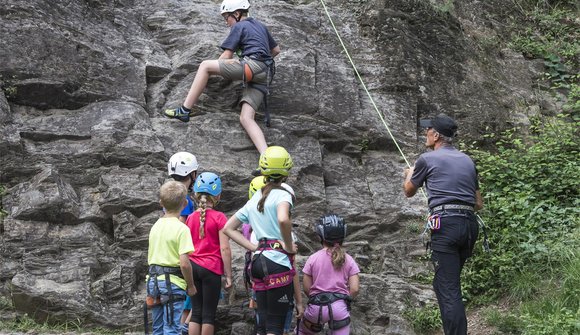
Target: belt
452 207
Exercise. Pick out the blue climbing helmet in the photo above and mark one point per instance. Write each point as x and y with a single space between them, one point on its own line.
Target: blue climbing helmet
331 228
209 183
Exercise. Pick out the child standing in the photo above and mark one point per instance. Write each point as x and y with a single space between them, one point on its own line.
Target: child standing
268 212
255 67
257 184
330 281
212 257
169 278
182 167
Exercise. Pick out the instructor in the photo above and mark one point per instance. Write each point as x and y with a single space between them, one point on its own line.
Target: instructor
450 178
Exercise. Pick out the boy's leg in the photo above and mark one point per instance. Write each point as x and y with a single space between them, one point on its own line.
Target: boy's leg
156 311
157 318
171 325
252 129
206 68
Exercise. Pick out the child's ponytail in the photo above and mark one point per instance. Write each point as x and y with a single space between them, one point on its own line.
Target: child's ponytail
202 204
270 184
338 256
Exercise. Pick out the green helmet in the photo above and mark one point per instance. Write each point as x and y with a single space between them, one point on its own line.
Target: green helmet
255 185
275 162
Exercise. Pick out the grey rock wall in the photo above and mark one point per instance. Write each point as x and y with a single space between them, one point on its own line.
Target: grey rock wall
83 146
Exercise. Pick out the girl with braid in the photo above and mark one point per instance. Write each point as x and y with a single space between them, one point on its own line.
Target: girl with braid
212 257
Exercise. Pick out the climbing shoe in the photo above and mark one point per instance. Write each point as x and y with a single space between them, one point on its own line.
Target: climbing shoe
181 113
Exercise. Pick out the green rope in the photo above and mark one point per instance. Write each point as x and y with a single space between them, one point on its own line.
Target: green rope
365 88
363 84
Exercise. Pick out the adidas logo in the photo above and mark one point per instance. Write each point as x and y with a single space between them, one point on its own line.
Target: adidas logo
284 299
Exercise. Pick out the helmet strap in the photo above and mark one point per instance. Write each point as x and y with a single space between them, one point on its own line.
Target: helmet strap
238 17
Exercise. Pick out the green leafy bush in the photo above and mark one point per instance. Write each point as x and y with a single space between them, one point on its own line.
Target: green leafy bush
531 188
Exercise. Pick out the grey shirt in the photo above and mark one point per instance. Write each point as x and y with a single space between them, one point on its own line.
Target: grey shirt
449 176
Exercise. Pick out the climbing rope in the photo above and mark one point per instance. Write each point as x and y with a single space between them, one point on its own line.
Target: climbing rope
366 90
363 83
480 221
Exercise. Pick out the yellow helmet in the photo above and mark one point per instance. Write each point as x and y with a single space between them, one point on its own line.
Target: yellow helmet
255 185
275 161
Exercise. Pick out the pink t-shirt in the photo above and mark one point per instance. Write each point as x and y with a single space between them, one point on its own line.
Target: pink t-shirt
207 250
325 277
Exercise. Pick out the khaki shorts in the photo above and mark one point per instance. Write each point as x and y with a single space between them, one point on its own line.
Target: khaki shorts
232 69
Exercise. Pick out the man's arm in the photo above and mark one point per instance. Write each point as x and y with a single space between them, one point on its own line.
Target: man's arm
478 200
408 187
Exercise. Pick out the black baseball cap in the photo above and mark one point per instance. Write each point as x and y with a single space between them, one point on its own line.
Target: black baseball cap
442 123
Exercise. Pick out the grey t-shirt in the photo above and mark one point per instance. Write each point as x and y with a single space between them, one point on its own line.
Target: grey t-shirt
449 176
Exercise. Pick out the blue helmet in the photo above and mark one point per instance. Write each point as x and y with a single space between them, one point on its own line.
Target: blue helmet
209 183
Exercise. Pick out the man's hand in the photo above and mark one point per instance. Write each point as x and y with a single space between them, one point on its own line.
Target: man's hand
407 172
408 188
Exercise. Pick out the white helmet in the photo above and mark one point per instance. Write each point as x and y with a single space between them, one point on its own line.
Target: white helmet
230 6
182 164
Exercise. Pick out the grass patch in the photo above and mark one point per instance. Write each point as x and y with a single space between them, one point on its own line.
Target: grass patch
424 320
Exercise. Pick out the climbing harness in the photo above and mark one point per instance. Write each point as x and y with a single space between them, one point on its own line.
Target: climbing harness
155 298
327 299
248 75
271 281
434 223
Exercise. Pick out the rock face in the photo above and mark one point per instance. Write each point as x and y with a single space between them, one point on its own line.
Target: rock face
84 148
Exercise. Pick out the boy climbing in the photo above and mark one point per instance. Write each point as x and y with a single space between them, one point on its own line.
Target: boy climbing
256 49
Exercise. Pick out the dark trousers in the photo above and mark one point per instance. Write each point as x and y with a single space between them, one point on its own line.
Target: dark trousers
452 244
204 303
273 304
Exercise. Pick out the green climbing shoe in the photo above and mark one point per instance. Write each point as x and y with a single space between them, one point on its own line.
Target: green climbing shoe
177 113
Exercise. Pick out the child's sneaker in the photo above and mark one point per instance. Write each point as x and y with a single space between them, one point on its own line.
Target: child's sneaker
179 113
